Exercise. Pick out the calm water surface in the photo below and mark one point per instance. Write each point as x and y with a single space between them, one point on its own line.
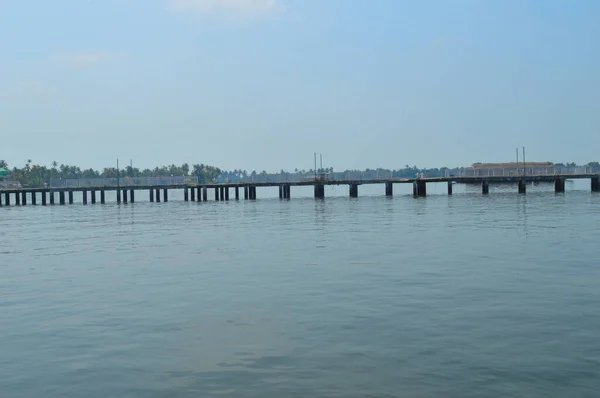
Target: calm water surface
463 296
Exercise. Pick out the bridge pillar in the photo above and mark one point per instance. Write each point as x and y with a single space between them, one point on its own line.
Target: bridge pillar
70 197
245 192
450 188
354 190
151 194
186 195
0 200
287 191
61 197
7 199
17 199
51 194
205 194
485 187
421 188
216 194
193 195
165 195
132 195
118 195
157 195
33 198
102 196
44 198
93 193
24 198
319 191
252 192
281 192
389 189
124 196
522 187
595 184
226 191
237 193
84 196
559 185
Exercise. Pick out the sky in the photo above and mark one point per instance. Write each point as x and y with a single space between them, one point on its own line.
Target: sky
263 84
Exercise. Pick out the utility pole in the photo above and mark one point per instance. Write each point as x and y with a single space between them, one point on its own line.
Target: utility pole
118 182
315 165
524 165
517 171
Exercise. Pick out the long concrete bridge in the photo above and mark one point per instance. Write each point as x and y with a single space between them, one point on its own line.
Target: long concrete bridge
222 192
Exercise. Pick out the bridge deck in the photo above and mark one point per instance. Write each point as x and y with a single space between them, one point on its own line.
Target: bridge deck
457 179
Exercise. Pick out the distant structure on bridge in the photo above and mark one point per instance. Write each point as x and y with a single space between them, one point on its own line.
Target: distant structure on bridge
511 165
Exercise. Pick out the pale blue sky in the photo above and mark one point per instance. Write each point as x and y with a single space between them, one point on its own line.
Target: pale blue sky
262 84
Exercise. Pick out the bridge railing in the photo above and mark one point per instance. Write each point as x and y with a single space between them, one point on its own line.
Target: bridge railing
530 171
123 182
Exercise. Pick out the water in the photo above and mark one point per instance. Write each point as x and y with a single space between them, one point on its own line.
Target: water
463 296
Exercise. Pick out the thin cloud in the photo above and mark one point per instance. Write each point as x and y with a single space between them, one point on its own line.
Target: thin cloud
87 59
28 91
233 8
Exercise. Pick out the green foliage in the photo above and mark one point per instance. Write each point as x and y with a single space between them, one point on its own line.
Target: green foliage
33 175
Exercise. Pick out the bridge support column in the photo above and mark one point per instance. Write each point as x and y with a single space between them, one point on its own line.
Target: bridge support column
252 192
33 198
93 193
102 196
44 199
51 194
420 188
7 199
237 193
124 196
70 197
287 191
319 191
216 194
186 195
132 195
522 187
165 195
151 194
226 191
24 198
0 200
157 195
450 188
205 194
17 198
389 189
61 197
595 184
193 195
281 192
84 197
354 190
485 187
118 195
245 192
559 185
